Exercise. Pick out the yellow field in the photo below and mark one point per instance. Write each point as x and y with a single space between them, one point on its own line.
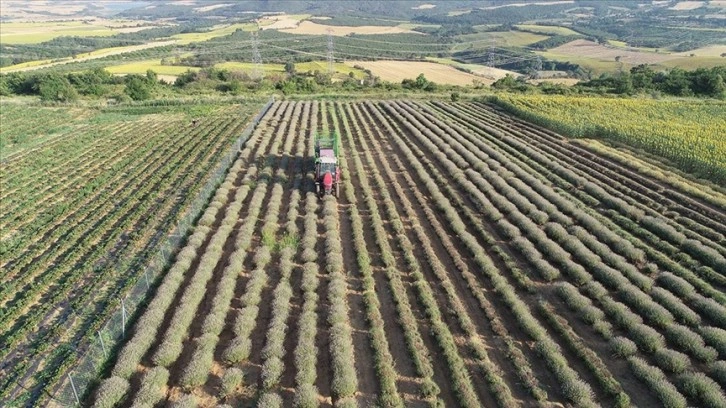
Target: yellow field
171 71
322 66
547 29
248 66
37 32
28 66
310 28
397 71
695 62
140 67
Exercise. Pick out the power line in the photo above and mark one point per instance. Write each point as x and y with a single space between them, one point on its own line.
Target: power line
257 70
331 67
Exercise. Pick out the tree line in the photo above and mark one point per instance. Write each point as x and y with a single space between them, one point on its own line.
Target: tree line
641 79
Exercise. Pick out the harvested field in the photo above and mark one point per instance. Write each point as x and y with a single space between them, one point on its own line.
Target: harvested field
488 74
709 51
284 21
500 38
687 5
204 9
472 259
562 81
39 31
311 28
590 49
535 3
396 71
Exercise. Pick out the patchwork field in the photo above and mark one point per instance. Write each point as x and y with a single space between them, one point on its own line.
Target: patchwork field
601 58
590 49
472 259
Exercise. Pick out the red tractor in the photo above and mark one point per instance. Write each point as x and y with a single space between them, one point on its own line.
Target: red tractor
327 172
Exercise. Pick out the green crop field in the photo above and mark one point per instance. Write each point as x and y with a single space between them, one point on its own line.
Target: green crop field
86 180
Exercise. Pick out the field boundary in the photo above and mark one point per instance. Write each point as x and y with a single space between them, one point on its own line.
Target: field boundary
95 354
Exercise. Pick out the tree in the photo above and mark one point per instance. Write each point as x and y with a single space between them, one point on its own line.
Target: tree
421 81
4 87
55 87
137 87
185 78
151 76
642 77
624 84
290 68
91 82
677 83
507 82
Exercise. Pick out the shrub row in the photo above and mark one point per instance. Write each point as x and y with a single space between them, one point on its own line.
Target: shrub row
492 373
306 351
389 396
171 346
415 344
196 372
146 328
460 378
592 361
345 381
520 362
274 351
573 388
603 233
657 381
